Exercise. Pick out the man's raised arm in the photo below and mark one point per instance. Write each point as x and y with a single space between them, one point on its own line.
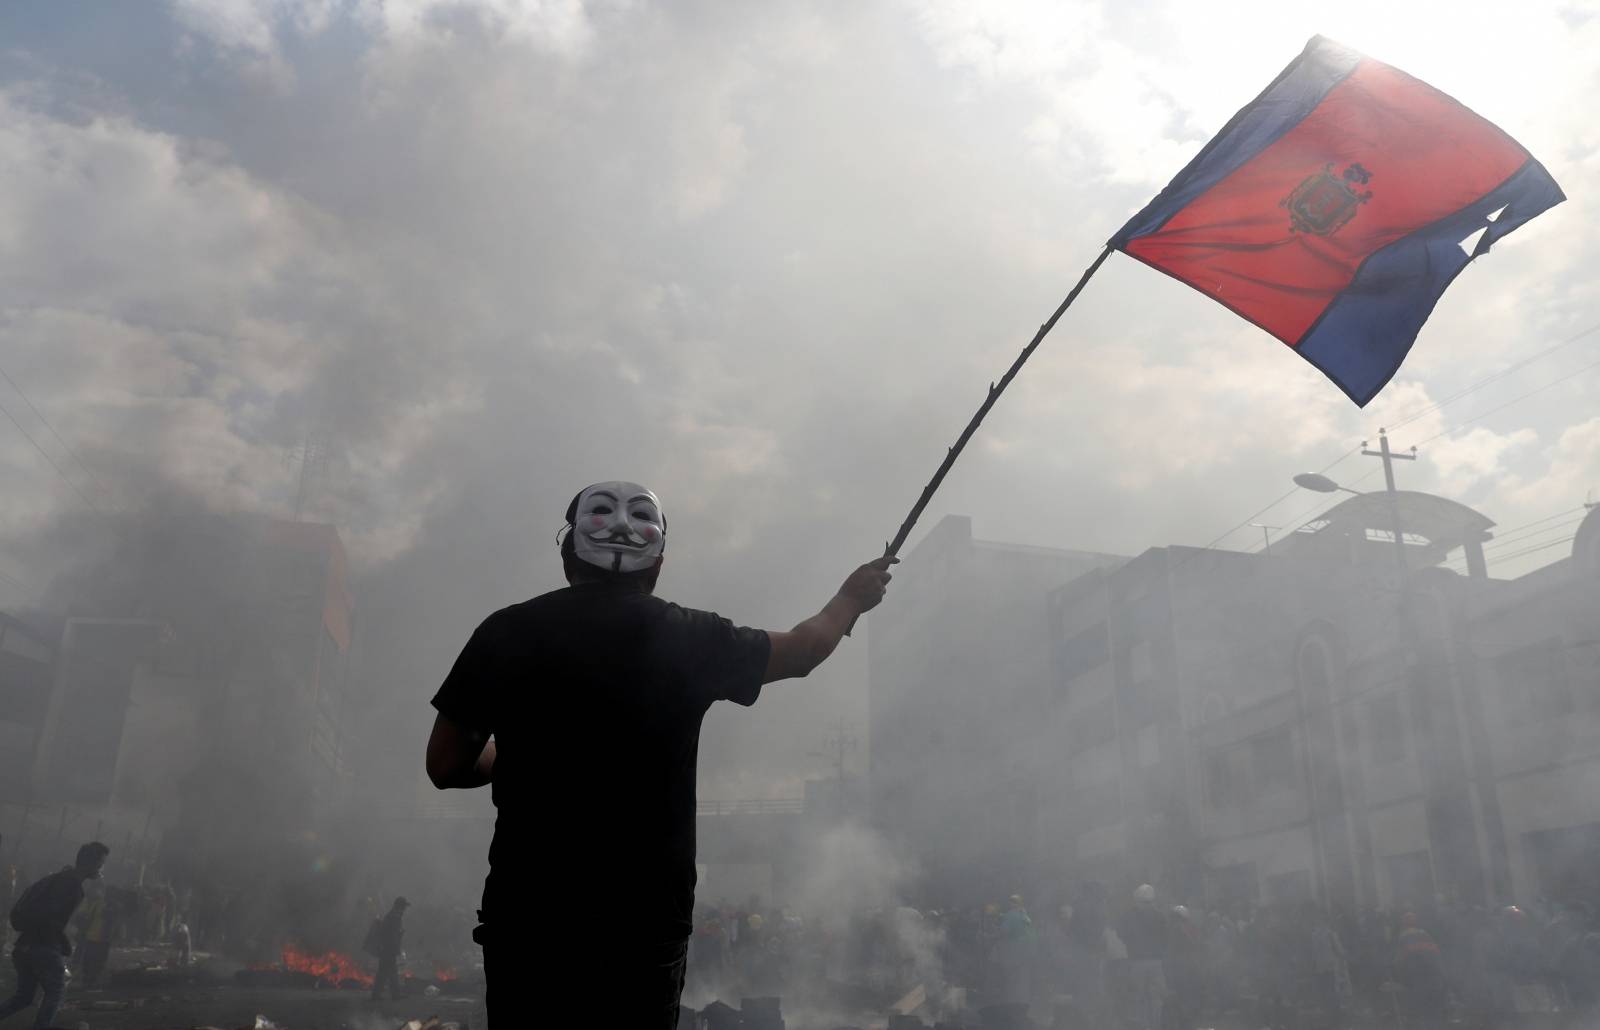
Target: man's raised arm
805 647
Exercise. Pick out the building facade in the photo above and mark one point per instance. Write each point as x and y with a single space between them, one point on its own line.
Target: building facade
1331 720
1341 718
959 666
194 694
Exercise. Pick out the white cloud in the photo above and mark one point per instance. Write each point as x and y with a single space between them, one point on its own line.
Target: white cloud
769 256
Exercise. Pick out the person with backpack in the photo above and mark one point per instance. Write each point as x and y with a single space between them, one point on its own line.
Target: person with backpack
40 917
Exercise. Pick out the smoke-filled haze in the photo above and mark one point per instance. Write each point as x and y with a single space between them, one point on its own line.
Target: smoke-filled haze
762 257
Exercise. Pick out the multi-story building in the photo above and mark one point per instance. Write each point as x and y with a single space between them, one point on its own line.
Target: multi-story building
1341 717
959 658
1316 722
198 686
27 661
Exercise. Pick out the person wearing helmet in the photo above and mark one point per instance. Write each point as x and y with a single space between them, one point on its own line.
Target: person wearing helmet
1144 933
582 709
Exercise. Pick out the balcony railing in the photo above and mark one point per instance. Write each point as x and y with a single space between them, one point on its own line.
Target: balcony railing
753 806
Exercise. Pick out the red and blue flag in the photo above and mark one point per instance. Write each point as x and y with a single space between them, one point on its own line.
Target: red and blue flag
1331 211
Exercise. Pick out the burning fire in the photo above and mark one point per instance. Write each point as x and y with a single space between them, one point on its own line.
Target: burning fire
330 967
336 969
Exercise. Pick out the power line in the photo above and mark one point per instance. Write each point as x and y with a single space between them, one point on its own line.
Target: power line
1536 547
1255 515
1504 533
65 446
14 581
1480 384
46 455
1515 400
1427 410
1523 538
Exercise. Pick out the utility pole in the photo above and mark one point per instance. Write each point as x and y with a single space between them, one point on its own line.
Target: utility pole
1389 458
1266 535
836 747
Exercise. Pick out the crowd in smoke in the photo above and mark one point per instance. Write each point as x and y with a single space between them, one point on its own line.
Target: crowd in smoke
1101 960
140 917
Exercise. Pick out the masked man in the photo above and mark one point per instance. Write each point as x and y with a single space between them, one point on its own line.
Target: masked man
593 696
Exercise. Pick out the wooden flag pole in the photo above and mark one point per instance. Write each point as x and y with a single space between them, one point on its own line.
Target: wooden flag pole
892 550
995 390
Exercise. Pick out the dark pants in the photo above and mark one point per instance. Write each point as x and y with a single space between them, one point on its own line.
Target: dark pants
642 983
388 976
37 968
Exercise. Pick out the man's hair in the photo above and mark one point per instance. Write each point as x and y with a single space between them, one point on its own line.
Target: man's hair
578 570
90 853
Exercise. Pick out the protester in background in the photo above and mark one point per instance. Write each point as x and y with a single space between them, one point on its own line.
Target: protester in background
1418 970
40 917
1144 934
1330 971
183 952
8 897
94 941
1014 953
387 945
1186 946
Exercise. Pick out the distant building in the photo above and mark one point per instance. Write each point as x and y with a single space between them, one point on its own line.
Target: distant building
196 690
1240 728
27 663
960 670
1250 728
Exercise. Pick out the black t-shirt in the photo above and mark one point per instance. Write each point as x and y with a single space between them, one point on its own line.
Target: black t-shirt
53 901
594 695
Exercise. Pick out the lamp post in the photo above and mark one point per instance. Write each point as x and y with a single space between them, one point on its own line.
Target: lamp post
1321 484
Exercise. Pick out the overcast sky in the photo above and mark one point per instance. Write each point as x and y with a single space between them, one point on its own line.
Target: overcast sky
762 257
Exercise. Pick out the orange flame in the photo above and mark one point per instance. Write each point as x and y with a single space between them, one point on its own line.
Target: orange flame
331 967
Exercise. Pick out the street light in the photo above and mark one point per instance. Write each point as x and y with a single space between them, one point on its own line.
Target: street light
1321 484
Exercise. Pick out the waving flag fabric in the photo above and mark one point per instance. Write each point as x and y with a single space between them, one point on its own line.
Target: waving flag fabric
1331 211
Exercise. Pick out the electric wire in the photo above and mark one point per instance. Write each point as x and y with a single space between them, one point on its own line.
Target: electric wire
53 463
1501 407
46 423
1428 409
1480 384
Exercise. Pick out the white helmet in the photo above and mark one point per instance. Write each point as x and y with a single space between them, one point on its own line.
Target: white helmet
1144 892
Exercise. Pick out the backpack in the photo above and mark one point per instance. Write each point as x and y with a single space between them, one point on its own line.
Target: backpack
373 944
27 912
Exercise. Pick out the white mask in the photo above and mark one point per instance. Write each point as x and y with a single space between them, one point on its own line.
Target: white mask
619 527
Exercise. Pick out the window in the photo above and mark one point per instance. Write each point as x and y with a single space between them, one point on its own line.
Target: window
1289 888
1410 878
1350 731
1143 702
1102 805
1272 760
1095 725
1140 664
1086 650
1388 730
1534 684
1221 787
